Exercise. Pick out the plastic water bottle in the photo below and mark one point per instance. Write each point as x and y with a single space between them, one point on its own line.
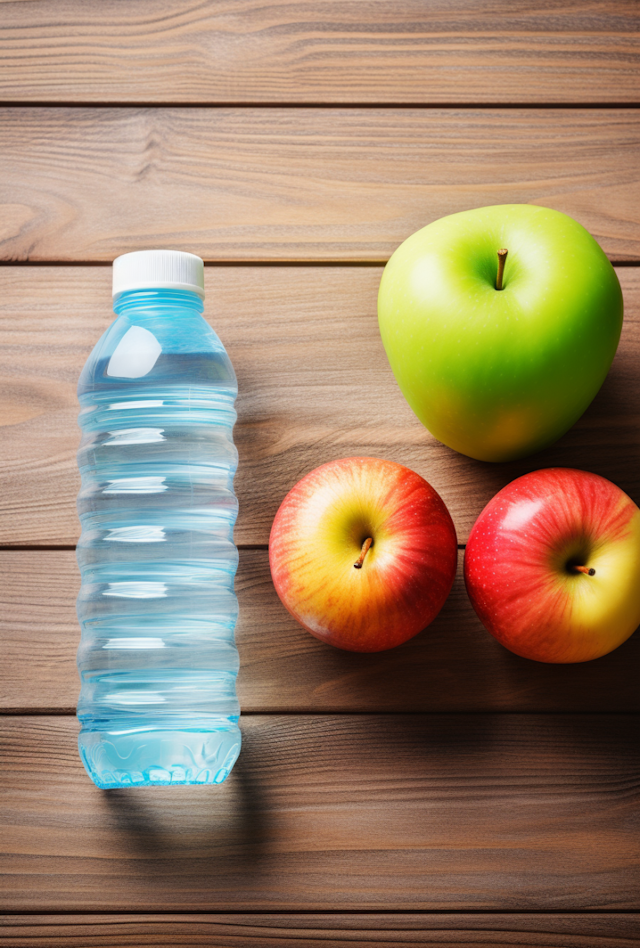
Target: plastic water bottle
157 657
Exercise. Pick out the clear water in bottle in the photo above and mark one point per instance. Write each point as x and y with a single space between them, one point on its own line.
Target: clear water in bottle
157 607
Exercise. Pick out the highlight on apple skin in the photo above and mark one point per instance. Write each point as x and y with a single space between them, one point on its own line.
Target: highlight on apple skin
552 566
359 595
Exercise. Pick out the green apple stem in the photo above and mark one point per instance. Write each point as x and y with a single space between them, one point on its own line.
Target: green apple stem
587 570
363 552
502 258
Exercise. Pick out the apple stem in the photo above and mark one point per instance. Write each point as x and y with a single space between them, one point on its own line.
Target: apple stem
587 570
363 552
502 257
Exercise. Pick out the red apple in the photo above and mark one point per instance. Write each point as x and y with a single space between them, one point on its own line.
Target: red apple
363 553
552 566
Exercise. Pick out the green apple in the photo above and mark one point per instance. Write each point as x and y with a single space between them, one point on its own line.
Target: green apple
500 373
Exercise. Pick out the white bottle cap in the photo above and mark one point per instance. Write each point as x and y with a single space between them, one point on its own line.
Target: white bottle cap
165 269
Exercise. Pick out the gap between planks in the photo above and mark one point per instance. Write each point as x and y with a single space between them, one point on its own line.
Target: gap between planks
36 548
326 712
275 104
249 264
426 913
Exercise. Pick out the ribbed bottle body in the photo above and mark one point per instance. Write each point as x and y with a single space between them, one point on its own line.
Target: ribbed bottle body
157 608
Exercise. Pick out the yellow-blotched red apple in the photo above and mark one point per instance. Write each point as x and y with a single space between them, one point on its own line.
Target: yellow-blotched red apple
363 553
552 566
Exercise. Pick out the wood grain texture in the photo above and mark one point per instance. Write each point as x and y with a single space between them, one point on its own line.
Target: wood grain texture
301 184
459 812
409 930
454 665
314 385
329 51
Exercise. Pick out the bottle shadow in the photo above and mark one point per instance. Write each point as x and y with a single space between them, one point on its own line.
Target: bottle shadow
190 833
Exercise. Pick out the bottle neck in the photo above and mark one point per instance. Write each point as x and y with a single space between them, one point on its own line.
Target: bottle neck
153 303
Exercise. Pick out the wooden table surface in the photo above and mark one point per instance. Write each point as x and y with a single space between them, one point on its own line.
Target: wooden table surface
444 793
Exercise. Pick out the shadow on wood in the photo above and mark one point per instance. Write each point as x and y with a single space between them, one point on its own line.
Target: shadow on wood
227 819
367 812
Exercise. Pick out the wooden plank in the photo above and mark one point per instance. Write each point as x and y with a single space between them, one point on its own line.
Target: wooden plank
301 184
376 813
314 381
410 930
304 51
452 666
